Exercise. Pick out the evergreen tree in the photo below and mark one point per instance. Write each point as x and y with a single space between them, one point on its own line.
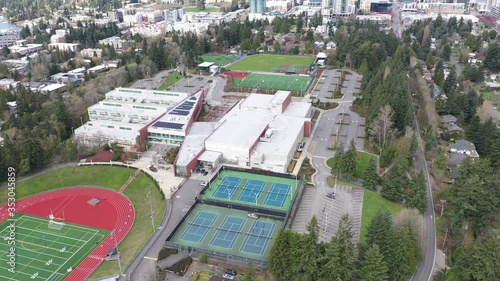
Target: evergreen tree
398 258
310 250
439 73
394 182
280 255
250 273
373 266
370 175
416 196
337 160
348 166
346 251
445 55
380 233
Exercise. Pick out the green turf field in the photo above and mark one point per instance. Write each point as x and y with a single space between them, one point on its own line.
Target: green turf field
218 60
43 253
269 63
274 82
195 9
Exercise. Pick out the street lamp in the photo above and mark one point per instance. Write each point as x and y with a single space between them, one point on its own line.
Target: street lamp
113 233
151 210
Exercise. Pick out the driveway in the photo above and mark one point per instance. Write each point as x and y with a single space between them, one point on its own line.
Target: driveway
143 267
333 126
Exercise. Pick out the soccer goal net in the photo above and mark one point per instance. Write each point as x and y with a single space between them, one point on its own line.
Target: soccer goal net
58 225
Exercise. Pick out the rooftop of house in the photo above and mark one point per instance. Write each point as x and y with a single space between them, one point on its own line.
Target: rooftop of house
462 145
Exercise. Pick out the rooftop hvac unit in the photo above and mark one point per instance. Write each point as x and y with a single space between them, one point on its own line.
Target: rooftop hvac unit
269 133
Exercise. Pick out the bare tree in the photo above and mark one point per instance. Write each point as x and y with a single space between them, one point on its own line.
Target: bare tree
381 130
39 72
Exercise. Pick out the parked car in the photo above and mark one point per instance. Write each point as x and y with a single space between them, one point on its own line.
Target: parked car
331 195
253 215
153 169
228 276
231 271
205 173
204 183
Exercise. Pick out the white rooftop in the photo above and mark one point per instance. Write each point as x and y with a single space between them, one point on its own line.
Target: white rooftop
236 134
298 109
210 156
194 142
53 87
180 116
205 64
109 129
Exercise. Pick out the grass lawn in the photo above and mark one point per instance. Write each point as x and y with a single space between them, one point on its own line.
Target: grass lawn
372 202
173 78
194 9
142 229
266 63
109 177
218 60
361 162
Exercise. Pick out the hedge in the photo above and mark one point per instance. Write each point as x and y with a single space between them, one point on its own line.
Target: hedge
166 252
181 266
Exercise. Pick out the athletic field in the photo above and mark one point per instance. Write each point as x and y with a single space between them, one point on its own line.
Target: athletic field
273 63
218 60
42 252
274 82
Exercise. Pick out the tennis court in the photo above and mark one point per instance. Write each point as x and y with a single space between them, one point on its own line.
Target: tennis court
227 187
274 82
43 252
277 195
252 189
227 231
258 238
199 227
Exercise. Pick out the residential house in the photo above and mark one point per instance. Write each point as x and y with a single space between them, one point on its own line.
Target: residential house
464 147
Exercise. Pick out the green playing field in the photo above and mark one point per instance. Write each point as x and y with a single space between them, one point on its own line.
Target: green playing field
268 63
274 82
43 252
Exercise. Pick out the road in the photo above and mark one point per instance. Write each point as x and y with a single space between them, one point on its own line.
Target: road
425 269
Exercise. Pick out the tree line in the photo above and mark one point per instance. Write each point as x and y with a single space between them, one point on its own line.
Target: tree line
391 252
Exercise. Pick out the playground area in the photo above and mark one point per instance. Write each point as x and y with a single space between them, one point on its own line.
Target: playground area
253 190
274 63
227 231
272 82
45 249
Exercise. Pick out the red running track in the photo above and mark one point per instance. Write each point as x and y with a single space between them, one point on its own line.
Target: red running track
235 74
115 211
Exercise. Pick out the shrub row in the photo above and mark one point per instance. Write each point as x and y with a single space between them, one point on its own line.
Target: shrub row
166 252
181 266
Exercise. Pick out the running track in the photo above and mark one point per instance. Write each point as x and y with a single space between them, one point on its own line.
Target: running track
115 211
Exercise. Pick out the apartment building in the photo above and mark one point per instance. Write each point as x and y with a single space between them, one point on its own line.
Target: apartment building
8 37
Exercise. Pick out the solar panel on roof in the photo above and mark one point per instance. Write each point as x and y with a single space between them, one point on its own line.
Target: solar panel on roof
188 103
168 125
192 98
183 108
180 112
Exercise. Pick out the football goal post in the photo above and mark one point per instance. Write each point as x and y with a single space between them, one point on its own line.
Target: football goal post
57 225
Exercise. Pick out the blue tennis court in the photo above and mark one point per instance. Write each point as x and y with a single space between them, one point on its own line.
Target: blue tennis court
228 232
257 240
199 227
277 195
251 191
227 187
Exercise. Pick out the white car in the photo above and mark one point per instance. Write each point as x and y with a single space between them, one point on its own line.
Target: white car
228 276
205 183
253 215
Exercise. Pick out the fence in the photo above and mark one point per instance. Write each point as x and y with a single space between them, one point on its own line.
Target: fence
230 259
247 208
